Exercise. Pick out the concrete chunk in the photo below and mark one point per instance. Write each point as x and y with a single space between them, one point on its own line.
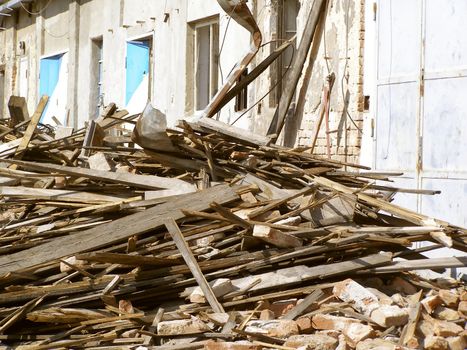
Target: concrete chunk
430 303
463 308
350 291
457 343
276 237
304 324
356 332
241 345
446 314
377 344
446 329
267 315
436 343
425 328
338 323
448 298
220 287
390 315
179 327
73 261
402 286
99 161
312 341
273 328
281 307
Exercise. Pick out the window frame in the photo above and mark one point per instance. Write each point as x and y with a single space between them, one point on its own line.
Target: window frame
192 94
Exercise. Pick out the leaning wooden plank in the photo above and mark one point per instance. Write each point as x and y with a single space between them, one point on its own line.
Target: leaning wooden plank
297 65
19 314
299 309
275 237
94 137
421 264
116 230
9 147
396 210
190 260
126 259
36 117
58 195
229 130
134 180
296 274
240 13
255 73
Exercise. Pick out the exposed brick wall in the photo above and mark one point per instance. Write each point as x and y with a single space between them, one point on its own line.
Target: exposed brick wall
341 51
345 139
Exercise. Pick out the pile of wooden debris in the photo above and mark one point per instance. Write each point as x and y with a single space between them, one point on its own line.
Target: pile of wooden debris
210 237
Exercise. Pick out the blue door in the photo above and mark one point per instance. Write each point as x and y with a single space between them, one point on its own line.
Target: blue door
53 83
137 71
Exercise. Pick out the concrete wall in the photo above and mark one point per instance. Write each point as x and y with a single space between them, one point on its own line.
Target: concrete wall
71 25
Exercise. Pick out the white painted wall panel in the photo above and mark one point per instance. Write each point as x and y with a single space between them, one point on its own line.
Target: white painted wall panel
450 204
399 38
422 79
396 127
446 25
445 125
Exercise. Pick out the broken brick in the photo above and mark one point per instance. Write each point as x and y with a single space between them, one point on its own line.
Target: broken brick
312 341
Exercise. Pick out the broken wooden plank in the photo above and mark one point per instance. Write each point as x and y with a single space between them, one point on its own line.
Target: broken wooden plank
276 237
305 304
190 260
36 117
127 259
116 230
59 195
135 180
295 73
229 131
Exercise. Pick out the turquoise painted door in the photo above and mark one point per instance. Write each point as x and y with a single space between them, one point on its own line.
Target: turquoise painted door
137 71
53 80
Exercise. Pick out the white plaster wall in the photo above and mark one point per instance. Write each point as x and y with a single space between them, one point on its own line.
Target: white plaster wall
58 29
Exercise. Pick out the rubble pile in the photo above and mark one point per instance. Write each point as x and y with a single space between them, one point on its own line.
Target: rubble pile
206 236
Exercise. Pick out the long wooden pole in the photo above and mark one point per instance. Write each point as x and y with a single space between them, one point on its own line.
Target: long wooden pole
297 67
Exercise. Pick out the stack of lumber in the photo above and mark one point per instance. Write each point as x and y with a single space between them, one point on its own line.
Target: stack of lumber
211 238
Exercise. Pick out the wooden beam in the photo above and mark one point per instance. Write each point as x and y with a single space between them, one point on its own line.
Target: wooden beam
409 215
58 195
190 260
305 304
229 131
116 230
31 129
134 180
297 65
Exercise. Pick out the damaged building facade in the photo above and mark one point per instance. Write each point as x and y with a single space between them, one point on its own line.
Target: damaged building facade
385 106
86 54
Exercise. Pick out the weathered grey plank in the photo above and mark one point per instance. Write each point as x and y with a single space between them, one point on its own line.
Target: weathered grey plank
142 181
117 230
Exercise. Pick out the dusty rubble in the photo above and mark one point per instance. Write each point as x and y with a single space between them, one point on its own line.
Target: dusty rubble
211 238
129 235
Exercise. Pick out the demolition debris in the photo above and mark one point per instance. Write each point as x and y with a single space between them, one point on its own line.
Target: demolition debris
208 236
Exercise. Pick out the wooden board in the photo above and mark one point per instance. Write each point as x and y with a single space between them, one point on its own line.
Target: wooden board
36 117
116 230
142 181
